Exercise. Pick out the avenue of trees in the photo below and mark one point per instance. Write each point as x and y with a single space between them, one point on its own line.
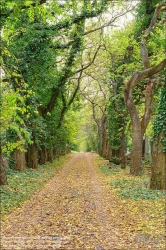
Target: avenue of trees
72 74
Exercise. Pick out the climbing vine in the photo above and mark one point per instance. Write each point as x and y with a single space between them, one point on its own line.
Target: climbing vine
160 121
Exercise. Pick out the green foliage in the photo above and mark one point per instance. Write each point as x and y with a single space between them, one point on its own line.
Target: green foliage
21 186
136 189
115 127
13 109
156 45
43 46
130 187
145 10
71 126
116 116
36 60
109 171
30 52
125 55
92 139
125 59
159 125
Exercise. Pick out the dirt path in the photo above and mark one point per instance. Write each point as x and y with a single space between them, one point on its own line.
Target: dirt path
74 210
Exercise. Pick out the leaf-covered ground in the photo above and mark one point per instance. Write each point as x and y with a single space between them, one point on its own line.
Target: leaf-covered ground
81 208
22 185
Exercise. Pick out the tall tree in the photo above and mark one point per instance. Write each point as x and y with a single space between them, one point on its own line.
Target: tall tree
139 126
46 39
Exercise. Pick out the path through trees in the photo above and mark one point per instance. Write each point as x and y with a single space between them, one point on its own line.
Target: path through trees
73 78
76 209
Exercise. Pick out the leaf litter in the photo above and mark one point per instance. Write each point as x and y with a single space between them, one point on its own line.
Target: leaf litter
78 209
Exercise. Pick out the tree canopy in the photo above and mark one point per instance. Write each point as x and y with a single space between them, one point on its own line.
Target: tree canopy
70 68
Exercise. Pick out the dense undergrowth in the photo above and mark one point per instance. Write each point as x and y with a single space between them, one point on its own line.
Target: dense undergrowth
21 186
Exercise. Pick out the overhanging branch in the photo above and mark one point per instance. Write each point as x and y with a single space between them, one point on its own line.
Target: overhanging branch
141 75
67 105
89 64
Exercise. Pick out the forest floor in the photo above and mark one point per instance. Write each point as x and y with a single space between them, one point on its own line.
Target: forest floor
78 209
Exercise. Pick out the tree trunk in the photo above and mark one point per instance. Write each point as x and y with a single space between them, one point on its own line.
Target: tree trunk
147 155
102 134
54 152
108 150
42 156
3 178
20 163
32 160
123 150
136 151
68 150
137 77
104 143
100 140
50 155
116 156
158 175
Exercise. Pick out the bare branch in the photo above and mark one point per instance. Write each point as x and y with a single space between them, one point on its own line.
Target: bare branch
67 105
110 23
89 64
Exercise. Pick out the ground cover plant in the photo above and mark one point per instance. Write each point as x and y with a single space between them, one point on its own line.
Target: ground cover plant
131 187
145 205
21 186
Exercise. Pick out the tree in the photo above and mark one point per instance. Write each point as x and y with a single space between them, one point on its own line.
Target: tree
139 126
43 43
97 97
144 13
95 90
158 176
14 133
3 178
34 39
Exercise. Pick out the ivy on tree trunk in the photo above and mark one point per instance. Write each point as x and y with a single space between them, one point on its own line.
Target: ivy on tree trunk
158 176
139 126
3 178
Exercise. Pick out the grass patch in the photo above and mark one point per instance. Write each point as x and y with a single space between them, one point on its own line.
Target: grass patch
136 189
109 171
21 186
127 186
99 158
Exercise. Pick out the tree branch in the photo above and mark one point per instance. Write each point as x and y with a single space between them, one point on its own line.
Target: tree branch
147 73
67 70
67 105
144 52
108 23
85 14
89 64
